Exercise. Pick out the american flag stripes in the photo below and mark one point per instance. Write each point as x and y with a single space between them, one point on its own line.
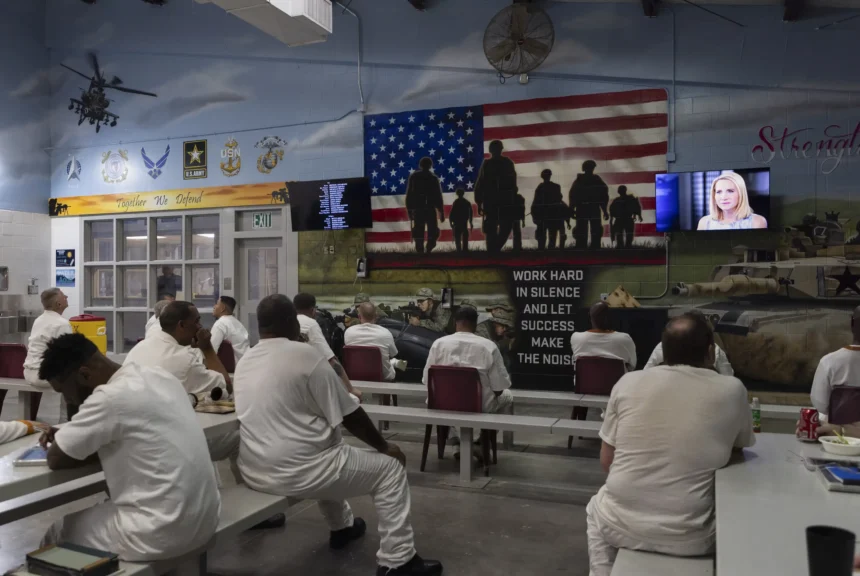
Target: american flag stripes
624 132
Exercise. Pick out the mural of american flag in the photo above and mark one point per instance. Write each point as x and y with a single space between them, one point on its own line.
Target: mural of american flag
624 132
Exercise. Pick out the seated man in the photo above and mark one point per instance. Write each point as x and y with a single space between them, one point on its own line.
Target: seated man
153 325
840 368
171 349
47 326
603 342
467 349
290 404
306 306
721 362
659 495
369 333
138 423
227 328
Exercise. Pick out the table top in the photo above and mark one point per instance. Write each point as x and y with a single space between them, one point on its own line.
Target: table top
18 481
764 503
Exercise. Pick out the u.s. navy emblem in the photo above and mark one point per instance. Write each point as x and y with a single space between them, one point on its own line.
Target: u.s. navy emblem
268 160
73 172
115 166
231 158
154 168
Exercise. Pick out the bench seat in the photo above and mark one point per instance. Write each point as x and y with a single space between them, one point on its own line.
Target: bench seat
632 563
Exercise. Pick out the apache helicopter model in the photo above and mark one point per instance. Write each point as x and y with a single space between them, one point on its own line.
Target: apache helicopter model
93 103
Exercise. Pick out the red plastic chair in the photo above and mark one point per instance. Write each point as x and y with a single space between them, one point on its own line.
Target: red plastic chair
365 363
596 376
227 357
457 389
12 358
844 405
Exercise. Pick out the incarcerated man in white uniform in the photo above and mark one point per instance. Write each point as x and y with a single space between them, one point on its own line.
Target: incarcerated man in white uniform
227 328
46 327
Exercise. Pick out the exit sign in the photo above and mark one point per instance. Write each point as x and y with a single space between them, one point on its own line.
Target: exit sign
262 220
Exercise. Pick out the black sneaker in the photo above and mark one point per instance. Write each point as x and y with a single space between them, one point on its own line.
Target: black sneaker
276 521
339 539
415 567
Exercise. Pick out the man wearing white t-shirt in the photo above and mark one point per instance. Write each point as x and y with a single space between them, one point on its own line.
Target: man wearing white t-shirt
290 404
840 368
603 342
227 328
139 424
306 306
369 333
659 495
46 327
721 361
153 326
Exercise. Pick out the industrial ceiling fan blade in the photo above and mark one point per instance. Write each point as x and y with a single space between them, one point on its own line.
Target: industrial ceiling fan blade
501 50
519 20
536 48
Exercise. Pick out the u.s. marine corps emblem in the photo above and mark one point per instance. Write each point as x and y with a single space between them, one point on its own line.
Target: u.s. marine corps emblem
115 166
268 161
231 158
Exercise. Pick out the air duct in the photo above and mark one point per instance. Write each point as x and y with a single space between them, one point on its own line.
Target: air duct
293 22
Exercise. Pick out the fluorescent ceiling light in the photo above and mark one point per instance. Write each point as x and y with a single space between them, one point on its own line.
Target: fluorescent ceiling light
206 235
135 237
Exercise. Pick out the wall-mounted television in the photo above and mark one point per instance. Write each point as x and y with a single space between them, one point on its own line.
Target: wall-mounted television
713 200
340 204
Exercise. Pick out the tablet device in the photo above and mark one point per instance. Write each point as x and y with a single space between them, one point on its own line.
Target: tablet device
35 456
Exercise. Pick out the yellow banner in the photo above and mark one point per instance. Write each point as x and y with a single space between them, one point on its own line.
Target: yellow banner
164 200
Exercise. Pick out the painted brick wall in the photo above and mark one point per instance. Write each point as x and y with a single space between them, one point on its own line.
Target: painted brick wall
25 250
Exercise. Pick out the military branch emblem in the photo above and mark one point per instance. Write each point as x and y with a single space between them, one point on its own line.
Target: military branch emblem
231 158
154 168
268 161
194 160
115 166
73 172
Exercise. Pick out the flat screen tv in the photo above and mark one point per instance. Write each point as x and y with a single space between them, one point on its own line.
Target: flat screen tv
338 204
713 200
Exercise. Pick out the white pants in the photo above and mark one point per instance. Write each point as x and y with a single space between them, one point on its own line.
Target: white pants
604 542
31 375
225 447
93 527
382 477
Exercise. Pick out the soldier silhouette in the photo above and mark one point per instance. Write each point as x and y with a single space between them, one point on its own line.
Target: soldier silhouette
549 212
589 196
424 203
622 213
495 195
461 221
519 222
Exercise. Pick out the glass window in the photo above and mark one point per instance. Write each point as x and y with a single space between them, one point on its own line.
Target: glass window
204 287
133 234
108 327
204 237
133 329
134 287
100 282
262 272
168 282
101 241
168 239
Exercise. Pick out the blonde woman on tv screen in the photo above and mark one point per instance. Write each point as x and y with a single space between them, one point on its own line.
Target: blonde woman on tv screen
730 206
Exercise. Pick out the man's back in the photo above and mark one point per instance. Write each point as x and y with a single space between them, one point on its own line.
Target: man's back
289 402
604 344
46 327
672 427
369 334
840 368
228 329
155 459
183 362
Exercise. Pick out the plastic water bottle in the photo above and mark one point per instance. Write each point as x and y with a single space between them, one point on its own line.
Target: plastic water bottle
756 415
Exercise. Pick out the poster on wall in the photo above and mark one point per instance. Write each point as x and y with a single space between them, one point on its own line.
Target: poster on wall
65 258
65 278
547 180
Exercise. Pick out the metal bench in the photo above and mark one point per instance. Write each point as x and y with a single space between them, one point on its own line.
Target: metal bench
632 563
25 392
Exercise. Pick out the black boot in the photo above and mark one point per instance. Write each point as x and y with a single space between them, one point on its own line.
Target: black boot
341 538
415 567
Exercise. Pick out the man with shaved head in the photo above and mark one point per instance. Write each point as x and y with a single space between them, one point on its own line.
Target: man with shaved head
369 333
840 368
665 433
602 341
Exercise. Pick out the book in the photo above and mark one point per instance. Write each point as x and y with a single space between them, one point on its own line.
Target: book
848 475
834 484
71 560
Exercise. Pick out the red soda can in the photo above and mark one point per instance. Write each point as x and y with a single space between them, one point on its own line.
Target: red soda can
808 424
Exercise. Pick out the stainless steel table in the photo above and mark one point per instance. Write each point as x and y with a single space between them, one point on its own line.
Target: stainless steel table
764 503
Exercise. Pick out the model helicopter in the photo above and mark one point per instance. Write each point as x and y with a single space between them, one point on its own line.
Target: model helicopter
93 103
